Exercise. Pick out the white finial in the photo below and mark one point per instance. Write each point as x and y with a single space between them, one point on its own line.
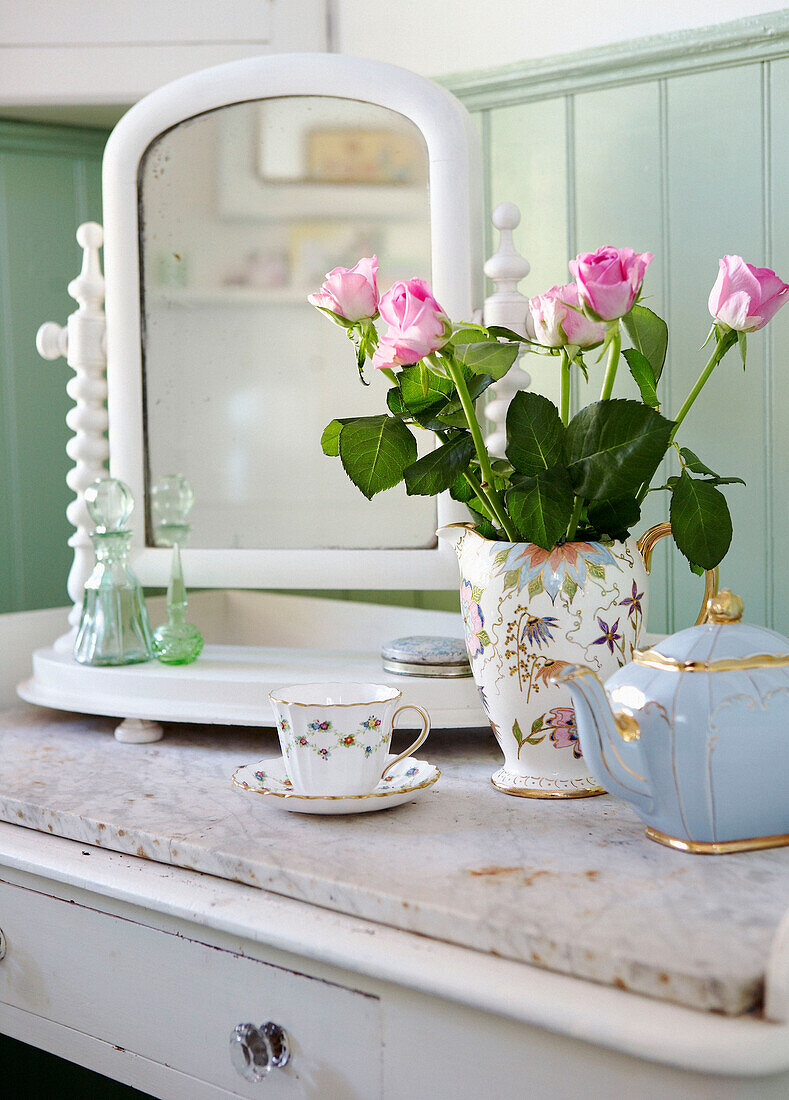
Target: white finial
88 287
507 267
506 216
52 340
91 234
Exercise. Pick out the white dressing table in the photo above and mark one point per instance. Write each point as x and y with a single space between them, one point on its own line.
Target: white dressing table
120 978
141 969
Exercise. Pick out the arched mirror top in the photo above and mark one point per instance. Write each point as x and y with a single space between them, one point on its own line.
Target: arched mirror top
227 194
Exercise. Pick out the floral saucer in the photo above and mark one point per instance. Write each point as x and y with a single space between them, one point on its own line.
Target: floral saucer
407 781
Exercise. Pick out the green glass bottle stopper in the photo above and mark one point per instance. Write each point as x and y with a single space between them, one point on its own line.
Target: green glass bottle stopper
176 642
110 504
114 628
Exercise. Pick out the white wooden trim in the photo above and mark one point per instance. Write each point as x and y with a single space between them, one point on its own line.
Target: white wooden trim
455 194
756 38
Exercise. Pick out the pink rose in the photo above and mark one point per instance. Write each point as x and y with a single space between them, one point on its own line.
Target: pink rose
558 319
609 280
351 293
417 325
744 297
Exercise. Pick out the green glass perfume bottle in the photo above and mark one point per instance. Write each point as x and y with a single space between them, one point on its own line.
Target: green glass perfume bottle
176 642
114 628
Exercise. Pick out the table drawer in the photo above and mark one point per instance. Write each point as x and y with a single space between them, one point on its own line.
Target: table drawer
176 1000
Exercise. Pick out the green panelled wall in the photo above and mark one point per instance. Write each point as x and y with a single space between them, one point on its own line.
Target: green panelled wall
49 184
690 163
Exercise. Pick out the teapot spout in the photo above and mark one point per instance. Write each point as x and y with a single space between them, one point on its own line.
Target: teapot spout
609 740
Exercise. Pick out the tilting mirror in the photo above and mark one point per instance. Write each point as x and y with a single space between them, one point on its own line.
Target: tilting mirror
228 196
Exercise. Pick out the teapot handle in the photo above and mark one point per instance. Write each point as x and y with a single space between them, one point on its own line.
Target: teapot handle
646 544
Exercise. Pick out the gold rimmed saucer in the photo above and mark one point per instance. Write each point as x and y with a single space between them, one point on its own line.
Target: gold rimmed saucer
409 779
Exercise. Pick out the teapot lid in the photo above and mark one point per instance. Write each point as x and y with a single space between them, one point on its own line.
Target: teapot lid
723 643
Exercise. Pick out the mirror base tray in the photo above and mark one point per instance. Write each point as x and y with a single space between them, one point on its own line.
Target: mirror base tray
228 685
300 639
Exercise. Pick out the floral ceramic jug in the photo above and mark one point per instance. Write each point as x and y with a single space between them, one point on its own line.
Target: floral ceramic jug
529 612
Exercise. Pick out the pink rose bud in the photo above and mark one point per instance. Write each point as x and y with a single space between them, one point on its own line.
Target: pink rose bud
609 280
417 324
745 297
558 319
351 293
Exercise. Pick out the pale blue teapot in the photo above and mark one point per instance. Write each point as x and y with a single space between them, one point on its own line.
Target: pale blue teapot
694 733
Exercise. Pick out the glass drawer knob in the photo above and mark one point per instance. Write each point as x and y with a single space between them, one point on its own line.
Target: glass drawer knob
255 1051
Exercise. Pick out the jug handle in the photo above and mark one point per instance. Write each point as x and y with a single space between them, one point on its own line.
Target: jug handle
646 544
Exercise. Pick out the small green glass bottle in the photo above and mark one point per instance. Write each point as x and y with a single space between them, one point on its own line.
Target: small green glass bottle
176 642
114 628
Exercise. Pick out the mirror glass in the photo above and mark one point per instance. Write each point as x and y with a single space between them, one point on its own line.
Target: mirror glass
242 212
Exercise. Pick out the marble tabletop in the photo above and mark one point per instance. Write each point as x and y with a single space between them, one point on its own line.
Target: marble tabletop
573 886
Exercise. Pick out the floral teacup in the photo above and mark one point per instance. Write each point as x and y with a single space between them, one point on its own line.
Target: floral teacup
335 737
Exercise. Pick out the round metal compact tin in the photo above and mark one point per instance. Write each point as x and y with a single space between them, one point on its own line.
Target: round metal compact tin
426 655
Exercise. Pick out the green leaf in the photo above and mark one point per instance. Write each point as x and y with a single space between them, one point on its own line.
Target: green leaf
641 369
493 359
541 508
700 521
507 334
437 470
375 451
614 518
649 335
421 386
742 340
466 333
452 413
395 403
330 440
694 463
343 322
611 448
534 432
696 466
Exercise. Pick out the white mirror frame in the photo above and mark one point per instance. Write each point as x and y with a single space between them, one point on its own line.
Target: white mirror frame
456 225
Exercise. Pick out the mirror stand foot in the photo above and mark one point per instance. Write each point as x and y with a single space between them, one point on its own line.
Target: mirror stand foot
138 731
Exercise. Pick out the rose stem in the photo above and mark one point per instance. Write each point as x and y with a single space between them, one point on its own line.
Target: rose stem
475 487
725 341
479 445
564 398
615 343
573 527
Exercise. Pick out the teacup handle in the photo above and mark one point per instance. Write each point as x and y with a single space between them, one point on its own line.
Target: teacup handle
419 741
646 544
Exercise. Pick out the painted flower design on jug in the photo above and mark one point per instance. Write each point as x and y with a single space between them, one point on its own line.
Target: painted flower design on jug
473 619
558 725
610 635
566 567
323 726
564 730
633 602
538 630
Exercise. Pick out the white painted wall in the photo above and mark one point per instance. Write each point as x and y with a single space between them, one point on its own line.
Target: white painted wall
434 37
